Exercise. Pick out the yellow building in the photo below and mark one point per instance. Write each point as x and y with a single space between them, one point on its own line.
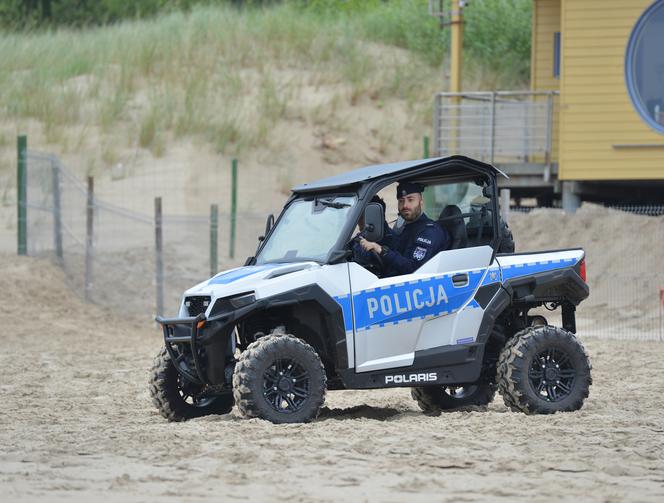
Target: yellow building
609 59
592 126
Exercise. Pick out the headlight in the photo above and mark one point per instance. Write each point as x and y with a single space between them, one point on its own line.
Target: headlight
244 299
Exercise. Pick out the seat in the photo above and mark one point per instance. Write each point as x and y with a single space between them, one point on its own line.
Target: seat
451 220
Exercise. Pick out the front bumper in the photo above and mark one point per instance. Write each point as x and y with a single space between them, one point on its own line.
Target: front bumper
200 347
181 334
204 353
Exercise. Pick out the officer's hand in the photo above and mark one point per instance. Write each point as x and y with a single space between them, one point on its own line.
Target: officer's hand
370 246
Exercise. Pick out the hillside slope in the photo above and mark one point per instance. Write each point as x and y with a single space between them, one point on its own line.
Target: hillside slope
159 107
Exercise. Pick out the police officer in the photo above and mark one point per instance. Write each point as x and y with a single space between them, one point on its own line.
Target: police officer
420 239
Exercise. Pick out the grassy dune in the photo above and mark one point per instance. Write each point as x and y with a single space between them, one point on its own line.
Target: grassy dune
226 76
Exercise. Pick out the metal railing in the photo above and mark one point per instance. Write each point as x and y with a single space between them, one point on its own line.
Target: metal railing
498 127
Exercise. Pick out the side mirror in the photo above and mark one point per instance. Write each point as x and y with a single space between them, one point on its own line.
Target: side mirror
373 222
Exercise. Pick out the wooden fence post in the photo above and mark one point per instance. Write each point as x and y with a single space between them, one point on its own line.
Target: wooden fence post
214 226
89 240
21 196
57 211
505 205
159 257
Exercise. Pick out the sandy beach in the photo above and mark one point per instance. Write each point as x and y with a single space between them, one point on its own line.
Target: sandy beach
78 425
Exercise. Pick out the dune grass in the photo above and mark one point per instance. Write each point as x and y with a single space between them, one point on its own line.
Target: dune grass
221 74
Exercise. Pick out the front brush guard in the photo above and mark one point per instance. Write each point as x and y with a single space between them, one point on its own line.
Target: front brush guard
179 331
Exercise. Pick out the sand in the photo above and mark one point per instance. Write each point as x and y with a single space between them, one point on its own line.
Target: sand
78 425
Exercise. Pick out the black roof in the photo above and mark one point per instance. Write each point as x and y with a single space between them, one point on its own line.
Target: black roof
374 171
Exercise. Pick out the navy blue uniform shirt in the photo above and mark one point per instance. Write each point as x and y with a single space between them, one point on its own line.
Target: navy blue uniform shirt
418 242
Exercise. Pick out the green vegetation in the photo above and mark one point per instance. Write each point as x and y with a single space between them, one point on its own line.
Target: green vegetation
19 14
497 32
226 75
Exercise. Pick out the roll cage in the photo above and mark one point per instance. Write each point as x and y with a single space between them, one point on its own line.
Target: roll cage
368 181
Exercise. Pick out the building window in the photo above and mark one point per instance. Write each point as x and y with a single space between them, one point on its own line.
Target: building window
556 55
644 66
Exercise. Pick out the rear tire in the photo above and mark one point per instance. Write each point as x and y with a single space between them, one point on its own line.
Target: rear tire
543 370
178 399
506 244
435 399
279 378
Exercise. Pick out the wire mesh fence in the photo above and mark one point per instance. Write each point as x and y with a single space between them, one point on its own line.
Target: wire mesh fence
624 250
121 271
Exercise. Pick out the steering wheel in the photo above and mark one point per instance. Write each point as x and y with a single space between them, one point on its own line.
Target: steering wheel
379 259
372 262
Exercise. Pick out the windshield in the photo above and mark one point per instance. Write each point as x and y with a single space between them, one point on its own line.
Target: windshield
307 230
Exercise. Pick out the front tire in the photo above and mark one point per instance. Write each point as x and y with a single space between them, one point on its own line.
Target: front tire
178 399
543 370
279 378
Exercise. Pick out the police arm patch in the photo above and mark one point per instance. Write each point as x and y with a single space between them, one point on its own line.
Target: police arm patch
419 253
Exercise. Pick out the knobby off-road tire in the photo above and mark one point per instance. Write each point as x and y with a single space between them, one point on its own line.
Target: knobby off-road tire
435 399
279 378
506 244
179 400
543 370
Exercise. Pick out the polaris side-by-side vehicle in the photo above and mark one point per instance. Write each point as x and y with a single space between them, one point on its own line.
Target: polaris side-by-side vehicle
309 313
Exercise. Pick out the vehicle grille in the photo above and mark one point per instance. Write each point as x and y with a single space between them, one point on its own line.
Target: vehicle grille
197 304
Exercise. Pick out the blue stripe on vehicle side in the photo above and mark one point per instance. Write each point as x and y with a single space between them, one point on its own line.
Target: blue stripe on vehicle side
413 300
344 302
228 277
492 276
393 304
518 270
473 305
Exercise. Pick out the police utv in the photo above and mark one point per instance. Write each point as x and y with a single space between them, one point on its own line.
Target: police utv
305 315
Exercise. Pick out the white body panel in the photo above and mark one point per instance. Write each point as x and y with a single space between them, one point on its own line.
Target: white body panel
551 257
273 279
532 263
394 317
388 319
448 330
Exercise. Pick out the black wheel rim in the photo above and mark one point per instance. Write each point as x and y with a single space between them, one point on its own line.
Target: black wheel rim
552 375
460 392
286 386
193 394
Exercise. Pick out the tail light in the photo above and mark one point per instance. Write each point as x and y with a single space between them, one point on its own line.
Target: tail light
582 269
